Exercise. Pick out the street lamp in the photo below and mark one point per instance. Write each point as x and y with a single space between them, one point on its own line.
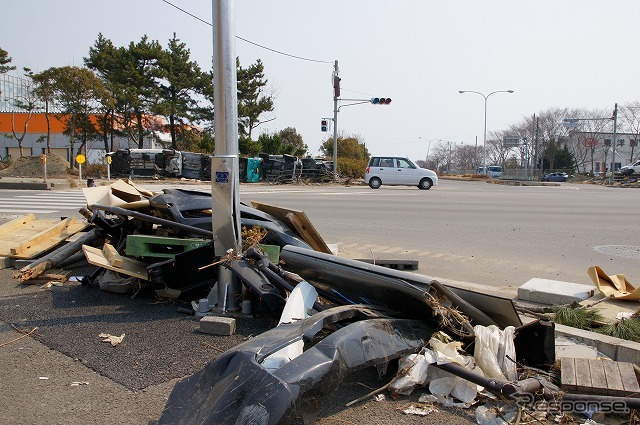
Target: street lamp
484 143
428 148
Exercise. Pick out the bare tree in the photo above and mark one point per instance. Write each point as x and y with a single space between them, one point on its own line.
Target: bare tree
26 101
585 140
497 152
630 117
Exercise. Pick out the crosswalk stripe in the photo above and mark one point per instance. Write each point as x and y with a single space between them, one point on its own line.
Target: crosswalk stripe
2 210
43 203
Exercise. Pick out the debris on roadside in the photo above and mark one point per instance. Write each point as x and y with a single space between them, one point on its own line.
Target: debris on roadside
111 339
334 315
417 410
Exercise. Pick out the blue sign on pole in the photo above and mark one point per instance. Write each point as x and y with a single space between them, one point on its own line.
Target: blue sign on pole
222 177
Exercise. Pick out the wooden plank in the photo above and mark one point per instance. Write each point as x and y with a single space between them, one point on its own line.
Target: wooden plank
629 380
26 237
9 227
112 255
302 225
52 275
583 375
129 266
598 379
16 231
47 238
568 373
614 380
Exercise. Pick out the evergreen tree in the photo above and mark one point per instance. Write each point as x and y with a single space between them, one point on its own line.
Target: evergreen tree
5 60
181 79
252 101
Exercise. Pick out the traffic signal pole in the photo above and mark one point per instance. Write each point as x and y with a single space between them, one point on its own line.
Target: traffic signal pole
336 109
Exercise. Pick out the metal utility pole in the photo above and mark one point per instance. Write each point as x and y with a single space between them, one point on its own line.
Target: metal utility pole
224 164
613 145
336 96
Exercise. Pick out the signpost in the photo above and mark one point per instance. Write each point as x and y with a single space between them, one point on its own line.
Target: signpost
43 158
109 167
80 160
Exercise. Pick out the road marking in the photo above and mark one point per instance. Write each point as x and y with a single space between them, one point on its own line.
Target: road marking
13 210
43 203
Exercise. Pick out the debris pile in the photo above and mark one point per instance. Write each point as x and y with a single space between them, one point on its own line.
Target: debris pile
31 166
335 316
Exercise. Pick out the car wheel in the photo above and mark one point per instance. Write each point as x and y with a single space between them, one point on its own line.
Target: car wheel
375 183
425 184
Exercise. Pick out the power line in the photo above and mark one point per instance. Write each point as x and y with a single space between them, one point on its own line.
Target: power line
248 41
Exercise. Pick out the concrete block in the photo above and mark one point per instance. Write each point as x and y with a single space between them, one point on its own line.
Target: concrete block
20 263
216 325
628 351
554 292
6 262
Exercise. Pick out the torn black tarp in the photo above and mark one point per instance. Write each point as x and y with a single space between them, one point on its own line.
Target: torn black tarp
193 208
236 389
345 281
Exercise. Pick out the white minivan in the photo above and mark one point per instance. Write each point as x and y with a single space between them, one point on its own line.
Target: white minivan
397 171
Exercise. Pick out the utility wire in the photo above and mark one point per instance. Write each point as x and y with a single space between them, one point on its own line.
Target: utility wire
248 41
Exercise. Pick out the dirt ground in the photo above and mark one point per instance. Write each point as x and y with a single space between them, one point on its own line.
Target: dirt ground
32 166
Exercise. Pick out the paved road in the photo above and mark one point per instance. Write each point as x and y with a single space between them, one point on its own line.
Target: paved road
494 235
460 230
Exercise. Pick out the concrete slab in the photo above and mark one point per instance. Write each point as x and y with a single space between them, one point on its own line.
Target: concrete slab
6 262
554 292
568 348
217 325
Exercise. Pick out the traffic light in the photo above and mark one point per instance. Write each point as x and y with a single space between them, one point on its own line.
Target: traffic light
381 100
324 125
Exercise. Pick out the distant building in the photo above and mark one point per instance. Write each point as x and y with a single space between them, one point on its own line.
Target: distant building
626 146
13 89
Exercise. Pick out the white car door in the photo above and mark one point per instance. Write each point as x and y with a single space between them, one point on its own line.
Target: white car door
406 172
386 170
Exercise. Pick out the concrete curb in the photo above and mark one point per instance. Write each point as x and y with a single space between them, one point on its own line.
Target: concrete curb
616 349
16 183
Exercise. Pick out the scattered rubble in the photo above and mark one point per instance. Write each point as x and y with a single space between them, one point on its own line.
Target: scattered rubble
335 316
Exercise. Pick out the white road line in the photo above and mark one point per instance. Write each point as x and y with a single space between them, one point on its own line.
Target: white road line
2 210
42 205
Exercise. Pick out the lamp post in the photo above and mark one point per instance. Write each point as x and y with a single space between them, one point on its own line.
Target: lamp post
428 148
484 143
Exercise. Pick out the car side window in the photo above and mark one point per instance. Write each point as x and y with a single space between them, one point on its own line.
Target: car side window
386 162
403 163
375 162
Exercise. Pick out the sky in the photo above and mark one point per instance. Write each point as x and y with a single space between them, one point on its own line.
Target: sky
420 53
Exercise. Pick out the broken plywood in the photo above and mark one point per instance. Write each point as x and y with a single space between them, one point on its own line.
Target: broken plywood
27 237
298 221
124 265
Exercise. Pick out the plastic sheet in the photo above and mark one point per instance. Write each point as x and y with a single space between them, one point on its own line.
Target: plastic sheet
495 352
